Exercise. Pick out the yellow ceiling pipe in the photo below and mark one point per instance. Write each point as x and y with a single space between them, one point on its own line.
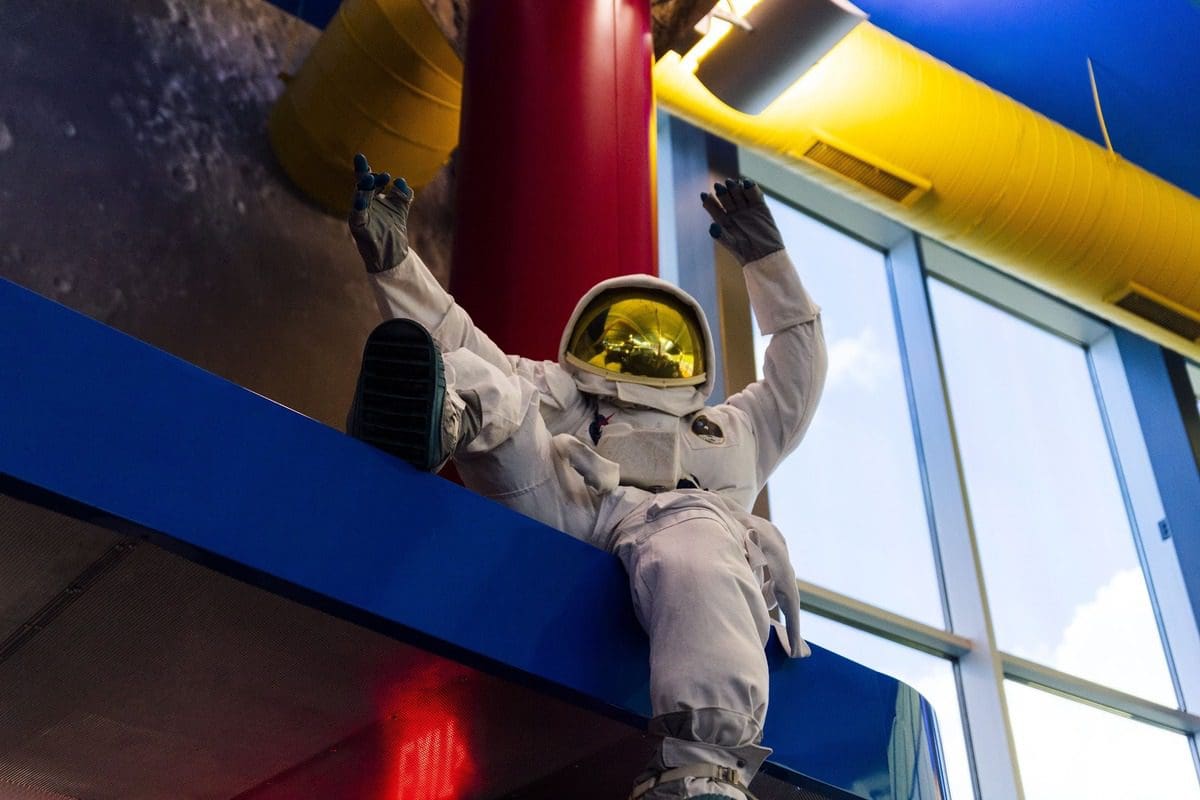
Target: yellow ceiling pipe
382 80
915 139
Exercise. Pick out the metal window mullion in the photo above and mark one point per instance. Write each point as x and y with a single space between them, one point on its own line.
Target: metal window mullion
1069 686
980 670
1003 291
1164 577
823 203
691 257
881 622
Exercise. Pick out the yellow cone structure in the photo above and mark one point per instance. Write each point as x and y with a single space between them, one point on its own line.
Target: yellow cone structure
930 147
382 80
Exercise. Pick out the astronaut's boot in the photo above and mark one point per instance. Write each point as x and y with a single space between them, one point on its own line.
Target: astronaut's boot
402 404
699 771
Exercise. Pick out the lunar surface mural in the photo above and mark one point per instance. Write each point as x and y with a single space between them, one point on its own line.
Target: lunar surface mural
137 187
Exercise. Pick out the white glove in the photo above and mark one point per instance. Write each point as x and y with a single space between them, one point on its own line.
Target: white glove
780 582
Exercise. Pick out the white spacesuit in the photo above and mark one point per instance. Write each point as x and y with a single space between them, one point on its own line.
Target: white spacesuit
617 448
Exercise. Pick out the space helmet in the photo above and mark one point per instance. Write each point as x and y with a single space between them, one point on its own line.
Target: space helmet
640 332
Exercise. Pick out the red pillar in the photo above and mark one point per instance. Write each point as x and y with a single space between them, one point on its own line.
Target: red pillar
554 173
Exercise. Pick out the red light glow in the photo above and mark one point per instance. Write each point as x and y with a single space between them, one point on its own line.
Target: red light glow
431 765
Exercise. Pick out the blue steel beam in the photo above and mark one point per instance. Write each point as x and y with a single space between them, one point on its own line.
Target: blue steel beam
1164 415
107 426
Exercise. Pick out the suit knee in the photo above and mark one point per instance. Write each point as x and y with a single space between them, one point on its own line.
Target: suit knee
695 553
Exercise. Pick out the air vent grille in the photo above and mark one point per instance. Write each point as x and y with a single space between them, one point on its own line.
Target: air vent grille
864 173
1151 306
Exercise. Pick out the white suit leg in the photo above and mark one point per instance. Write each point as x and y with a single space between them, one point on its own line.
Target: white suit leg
703 608
693 587
512 458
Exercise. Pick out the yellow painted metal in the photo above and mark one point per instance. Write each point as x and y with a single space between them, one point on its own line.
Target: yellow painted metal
994 179
381 80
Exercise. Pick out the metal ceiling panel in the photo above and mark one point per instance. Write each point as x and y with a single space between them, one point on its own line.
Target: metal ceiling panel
166 680
41 563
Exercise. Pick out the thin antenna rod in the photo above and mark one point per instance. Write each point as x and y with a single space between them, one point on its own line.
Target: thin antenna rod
1099 110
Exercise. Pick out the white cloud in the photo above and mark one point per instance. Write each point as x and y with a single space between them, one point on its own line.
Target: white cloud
1070 750
1113 640
859 359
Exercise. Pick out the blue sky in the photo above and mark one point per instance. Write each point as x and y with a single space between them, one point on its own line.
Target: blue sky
849 499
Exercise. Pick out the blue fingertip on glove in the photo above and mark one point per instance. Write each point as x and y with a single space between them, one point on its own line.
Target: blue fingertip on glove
714 231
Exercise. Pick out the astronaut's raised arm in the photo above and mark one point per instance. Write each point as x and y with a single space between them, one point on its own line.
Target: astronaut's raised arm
404 286
782 402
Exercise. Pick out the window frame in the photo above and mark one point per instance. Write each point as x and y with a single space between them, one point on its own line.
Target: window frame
969 642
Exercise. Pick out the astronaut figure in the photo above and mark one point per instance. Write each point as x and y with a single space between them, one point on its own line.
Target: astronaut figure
614 445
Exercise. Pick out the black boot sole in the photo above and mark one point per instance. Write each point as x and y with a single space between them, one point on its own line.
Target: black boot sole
401 387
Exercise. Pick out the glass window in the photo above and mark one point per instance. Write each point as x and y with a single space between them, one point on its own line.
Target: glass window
850 500
931 676
1068 749
1064 582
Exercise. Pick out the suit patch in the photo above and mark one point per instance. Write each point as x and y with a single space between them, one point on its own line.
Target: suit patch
708 430
597 426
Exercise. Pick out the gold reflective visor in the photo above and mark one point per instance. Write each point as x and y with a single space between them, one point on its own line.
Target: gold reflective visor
642 335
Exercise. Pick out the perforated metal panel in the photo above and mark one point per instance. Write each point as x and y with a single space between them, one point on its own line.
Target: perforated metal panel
161 669
12 787
1159 310
47 555
861 172
163 679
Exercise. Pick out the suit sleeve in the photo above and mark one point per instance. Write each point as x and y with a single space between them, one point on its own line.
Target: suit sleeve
782 402
410 291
